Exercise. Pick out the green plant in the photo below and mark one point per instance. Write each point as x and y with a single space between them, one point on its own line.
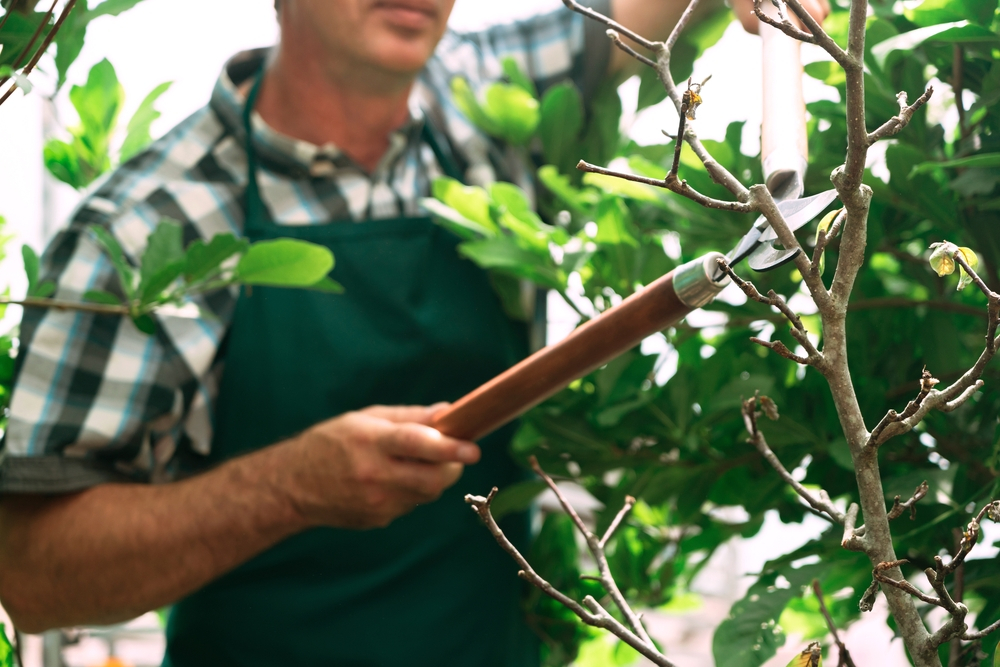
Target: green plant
680 447
98 103
170 275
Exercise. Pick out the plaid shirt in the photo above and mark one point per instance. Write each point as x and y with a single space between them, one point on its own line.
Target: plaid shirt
97 401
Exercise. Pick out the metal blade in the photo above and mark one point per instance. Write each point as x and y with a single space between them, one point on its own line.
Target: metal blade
766 257
798 212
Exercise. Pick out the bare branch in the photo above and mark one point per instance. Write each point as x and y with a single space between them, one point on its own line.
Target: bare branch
601 18
820 36
897 123
782 24
597 550
622 513
81 306
972 636
879 435
845 656
815 357
898 508
674 185
682 23
617 39
822 503
850 523
902 584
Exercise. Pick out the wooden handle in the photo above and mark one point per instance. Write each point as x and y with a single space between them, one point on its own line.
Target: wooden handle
784 146
507 396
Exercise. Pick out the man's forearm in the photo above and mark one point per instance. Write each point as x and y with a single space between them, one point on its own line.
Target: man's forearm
115 551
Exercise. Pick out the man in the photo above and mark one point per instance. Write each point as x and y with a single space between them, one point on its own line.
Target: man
319 529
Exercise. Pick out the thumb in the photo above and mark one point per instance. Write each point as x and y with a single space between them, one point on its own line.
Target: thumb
404 414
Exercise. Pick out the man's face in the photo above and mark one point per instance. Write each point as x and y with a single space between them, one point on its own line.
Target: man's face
395 36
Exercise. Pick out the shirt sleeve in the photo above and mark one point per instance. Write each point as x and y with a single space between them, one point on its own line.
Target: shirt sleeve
94 399
551 47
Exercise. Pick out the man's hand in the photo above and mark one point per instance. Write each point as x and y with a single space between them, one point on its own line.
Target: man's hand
818 9
363 469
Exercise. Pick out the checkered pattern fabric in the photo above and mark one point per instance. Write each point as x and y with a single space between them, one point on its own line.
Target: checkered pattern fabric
97 401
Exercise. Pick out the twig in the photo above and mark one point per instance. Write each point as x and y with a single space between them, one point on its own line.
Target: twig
972 636
824 239
798 331
822 503
845 656
590 612
43 48
622 513
31 42
897 123
784 25
821 38
682 23
898 508
850 524
617 39
927 382
99 308
601 18
597 550
674 185
902 584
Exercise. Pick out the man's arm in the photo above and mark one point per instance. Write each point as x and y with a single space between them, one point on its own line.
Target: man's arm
115 551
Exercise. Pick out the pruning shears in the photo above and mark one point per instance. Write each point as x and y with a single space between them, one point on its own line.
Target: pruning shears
661 304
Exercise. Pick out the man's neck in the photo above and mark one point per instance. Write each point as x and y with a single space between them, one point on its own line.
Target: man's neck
304 98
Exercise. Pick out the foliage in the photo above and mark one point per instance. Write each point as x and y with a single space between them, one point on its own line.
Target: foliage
6 650
170 275
70 40
678 442
98 103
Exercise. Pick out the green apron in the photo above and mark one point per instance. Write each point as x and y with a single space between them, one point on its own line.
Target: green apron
416 325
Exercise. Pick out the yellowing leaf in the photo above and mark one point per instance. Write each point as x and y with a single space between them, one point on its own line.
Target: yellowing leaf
811 657
942 258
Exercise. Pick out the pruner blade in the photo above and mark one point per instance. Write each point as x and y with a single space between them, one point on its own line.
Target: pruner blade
758 243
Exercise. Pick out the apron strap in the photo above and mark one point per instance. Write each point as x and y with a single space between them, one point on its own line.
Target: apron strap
256 212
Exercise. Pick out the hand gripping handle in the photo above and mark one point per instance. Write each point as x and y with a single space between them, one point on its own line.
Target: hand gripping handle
659 305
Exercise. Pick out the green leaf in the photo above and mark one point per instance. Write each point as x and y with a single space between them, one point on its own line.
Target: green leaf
145 323
284 263
110 245
164 247
153 286
6 650
45 290
826 71
69 40
30 267
517 77
454 221
513 112
750 635
467 103
138 136
62 162
560 185
957 32
203 260
471 202
19 27
326 284
98 103
100 296
622 188
983 160
612 223
996 658
505 254
560 124
111 8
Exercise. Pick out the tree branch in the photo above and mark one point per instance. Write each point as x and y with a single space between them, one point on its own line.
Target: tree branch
674 185
815 357
845 656
897 123
590 612
821 503
98 308
898 508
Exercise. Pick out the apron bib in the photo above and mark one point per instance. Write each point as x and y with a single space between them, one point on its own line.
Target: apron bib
416 325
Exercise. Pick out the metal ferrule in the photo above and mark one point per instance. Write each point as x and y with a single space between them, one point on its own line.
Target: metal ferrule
694 284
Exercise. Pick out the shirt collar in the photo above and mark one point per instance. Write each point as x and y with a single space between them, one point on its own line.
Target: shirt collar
284 153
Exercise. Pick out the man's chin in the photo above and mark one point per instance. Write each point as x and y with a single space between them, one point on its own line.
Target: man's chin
403 56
